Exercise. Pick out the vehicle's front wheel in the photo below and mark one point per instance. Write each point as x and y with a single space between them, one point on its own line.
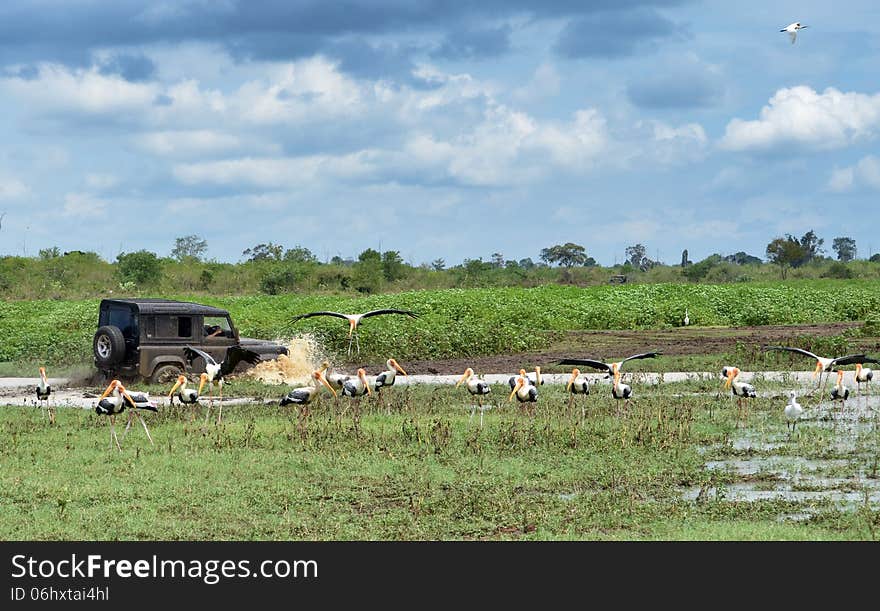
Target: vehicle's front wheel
108 346
166 374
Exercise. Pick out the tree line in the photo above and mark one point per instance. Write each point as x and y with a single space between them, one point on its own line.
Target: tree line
273 268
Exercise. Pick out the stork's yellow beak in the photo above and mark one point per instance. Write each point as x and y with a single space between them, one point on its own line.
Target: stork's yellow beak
109 389
173 388
398 367
519 384
202 379
463 377
320 375
818 368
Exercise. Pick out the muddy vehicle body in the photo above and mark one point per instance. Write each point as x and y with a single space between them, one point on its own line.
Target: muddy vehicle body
145 338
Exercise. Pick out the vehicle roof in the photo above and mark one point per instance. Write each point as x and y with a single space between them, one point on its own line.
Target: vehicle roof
168 306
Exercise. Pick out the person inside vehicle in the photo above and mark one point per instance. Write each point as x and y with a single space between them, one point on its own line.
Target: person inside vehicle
213 331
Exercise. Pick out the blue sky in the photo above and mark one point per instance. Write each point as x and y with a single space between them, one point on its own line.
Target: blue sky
439 129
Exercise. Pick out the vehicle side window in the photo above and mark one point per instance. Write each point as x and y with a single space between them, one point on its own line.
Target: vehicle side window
217 327
174 326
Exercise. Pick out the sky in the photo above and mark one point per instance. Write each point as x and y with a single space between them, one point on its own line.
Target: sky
439 129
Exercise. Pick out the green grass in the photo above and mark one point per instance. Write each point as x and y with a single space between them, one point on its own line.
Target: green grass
467 322
424 471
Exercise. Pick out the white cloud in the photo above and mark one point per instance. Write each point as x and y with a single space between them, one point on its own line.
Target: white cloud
83 205
88 91
187 143
273 173
101 181
800 116
12 188
865 173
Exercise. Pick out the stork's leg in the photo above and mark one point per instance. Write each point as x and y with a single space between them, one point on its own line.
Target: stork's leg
481 417
208 415
220 411
127 424
113 436
570 402
473 409
357 342
144 422
350 340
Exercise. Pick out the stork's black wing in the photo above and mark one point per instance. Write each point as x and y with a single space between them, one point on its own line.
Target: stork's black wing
377 312
234 356
852 359
798 350
322 313
587 362
193 353
644 355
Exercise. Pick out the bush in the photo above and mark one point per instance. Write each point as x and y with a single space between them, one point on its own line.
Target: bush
838 270
142 267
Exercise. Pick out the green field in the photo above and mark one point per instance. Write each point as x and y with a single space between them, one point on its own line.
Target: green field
425 471
467 322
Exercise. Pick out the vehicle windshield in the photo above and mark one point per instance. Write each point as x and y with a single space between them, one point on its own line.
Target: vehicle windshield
217 327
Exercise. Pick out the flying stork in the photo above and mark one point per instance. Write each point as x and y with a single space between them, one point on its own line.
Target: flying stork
217 371
353 320
608 367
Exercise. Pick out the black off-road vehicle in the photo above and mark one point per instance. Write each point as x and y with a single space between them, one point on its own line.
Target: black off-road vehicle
146 337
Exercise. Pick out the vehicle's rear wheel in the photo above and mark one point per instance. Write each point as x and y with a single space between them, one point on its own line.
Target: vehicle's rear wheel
166 374
108 346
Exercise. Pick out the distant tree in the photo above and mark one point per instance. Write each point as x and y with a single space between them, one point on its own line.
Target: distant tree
698 271
566 255
845 248
264 252
875 258
786 253
393 267
337 260
206 279
812 246
742 258
838 269
684 258
497 260
511 264
299 254
142 267
190 246
526 263
368 273
50 253
636 255
438 265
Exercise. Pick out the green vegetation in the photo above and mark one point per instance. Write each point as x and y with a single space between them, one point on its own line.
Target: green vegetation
425 471
465 322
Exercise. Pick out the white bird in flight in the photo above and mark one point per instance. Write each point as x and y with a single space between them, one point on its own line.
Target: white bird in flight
792 29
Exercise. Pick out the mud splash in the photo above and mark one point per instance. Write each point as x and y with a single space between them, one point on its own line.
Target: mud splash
305 354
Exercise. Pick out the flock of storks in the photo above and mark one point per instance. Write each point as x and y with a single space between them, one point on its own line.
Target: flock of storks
524 387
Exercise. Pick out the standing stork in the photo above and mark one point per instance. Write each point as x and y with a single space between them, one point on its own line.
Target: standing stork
355 388
577 385
741 390
825 364
386 378
840 391
304 396
864 374
524 393
217 371
43 393
477 387
621 391
335 379
610 368
353 320
792 412
687 319
114 400
187 396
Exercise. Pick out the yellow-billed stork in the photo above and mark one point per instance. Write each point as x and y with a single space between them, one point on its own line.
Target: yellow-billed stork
578 384
187 396
864 374
524 393
43 393
478 388
115 399
741 390
610 368
217 371
840 392
826 364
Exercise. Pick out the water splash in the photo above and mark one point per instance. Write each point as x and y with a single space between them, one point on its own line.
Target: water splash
305 355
